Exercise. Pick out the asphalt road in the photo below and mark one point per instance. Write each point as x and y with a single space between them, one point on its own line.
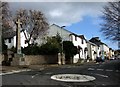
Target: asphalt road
107 75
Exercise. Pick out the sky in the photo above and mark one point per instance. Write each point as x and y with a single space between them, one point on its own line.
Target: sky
78 17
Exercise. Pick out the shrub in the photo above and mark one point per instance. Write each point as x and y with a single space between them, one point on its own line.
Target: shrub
4 46
45 49
31 50
69 49
49 49
53 46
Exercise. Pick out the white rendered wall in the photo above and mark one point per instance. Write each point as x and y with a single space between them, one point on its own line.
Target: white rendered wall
77 43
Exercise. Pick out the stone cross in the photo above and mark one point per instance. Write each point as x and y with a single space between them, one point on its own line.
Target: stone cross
18 37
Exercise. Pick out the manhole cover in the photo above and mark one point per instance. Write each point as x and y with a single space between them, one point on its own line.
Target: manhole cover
72 78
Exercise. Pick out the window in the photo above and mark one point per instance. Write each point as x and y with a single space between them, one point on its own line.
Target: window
75 38
82 41
82 51
9 40
26 41
71 38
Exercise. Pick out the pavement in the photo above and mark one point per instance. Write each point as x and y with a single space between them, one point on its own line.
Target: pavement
16 69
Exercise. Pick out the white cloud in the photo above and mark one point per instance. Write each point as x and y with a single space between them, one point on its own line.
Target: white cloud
63 13
55 13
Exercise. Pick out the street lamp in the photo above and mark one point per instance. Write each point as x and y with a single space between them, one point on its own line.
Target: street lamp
62 37
62 56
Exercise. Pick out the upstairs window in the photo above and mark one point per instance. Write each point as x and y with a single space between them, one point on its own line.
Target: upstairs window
75 38
71 38
9 40
82 41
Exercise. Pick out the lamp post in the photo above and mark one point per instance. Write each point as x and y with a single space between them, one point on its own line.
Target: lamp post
62 37
62 55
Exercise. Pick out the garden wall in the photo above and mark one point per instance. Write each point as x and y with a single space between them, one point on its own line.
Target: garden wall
1 59
40 59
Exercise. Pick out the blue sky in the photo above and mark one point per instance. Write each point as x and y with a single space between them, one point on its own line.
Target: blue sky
86 27
90 27
78 17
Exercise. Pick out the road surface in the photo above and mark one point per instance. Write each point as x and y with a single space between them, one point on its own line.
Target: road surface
107 74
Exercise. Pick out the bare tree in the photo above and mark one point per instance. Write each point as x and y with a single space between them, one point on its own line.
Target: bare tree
34 22
111 24
6 18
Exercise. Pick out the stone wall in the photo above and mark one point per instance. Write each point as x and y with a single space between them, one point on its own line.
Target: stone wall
1 59
40 59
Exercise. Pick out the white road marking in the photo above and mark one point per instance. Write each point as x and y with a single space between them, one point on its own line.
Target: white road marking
48 73
69 67
15 71
109 70
91 69
117 71
102 75
100 69
41 69
34 75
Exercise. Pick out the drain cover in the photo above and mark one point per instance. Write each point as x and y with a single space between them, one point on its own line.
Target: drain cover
72 78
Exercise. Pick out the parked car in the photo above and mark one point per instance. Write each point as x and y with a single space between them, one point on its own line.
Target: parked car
118 56
112 58
99 59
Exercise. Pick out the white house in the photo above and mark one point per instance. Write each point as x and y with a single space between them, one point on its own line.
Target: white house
10 40
92 50
52 31
78 40
81 43
106 50
103 49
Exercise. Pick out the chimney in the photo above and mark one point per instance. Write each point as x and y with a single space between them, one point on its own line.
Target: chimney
97 38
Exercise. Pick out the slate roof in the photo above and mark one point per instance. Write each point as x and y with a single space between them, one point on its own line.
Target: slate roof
9 34
61 28
96 41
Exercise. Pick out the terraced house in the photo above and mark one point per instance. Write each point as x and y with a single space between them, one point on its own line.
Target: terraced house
87 49
93 50
81 43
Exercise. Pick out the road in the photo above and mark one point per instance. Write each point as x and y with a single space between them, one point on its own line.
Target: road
107 75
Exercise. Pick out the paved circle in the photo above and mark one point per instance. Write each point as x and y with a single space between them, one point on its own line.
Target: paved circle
72 78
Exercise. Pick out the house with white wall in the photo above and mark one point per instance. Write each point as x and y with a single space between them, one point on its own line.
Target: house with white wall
111 52
103 49
92 50
81 43
106 50
53 31
10 40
